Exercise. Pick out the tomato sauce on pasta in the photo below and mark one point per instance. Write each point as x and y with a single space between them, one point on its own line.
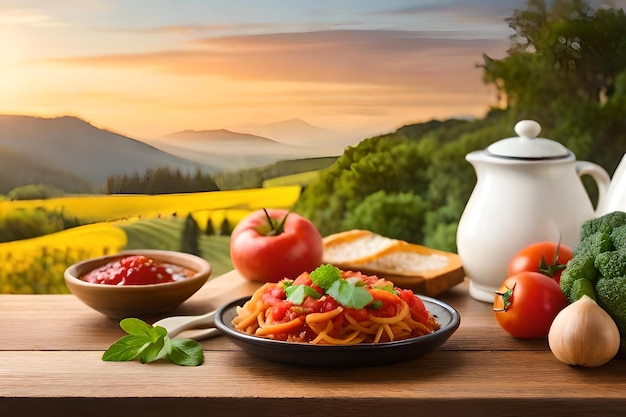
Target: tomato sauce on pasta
392 314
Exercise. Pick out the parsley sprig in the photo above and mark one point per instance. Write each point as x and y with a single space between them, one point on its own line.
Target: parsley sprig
151 343
349 293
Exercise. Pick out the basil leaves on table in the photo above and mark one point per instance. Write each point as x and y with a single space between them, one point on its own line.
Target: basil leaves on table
151 343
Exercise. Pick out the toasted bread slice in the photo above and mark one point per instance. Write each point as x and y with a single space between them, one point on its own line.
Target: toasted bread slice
356 247
428 271
410 260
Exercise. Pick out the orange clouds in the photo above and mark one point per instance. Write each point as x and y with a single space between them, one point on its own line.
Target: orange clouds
361 80
384 58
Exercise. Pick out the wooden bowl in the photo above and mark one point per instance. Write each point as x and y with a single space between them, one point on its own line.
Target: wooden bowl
121 301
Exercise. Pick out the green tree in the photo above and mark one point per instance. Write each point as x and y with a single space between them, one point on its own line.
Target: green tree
563 70
395 215
190 236
564 49
34 192
210 228
28 223
225 227
392 163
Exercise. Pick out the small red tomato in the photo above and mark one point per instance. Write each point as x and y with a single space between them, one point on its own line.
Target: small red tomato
269 245
527 303
548 258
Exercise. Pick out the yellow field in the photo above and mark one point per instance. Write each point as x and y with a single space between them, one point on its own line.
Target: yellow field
92 238
28 264
37 265
116 207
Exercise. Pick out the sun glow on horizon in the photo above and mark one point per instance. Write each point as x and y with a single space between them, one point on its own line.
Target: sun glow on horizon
172 73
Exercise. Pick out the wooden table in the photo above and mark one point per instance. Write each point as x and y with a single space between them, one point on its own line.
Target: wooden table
50 364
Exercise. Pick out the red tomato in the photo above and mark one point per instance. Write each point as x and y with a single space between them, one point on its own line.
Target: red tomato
269 245
280 309
527 303
549 258
418 309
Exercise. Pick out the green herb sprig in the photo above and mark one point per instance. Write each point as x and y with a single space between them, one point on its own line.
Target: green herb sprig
150 343
348 293
297 293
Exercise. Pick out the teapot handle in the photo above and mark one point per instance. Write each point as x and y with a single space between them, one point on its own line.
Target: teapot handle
600 176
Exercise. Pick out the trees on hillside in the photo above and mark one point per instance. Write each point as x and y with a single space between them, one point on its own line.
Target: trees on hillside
566 68
384 183
35 192
162 180
565 48
29 223
563 69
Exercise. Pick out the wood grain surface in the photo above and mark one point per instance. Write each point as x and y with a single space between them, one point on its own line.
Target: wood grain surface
50 364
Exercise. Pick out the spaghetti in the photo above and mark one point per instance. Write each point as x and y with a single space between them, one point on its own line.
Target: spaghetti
385 314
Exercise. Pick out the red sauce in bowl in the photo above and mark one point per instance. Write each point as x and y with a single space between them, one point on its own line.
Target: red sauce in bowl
137 270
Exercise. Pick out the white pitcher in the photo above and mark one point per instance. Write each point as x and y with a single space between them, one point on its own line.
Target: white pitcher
528 189
616 196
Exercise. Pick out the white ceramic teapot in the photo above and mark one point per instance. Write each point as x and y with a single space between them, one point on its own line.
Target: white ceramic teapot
528 189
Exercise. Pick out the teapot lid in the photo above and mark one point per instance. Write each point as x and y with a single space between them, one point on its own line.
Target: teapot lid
528 145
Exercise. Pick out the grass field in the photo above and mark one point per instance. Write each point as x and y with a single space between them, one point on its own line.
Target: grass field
165 234
126 222
300 179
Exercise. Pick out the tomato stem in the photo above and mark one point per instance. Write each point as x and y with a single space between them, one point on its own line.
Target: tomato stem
275 229
551 269
507 298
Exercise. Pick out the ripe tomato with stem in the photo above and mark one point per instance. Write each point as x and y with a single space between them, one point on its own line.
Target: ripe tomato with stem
546 257
526 304
271 244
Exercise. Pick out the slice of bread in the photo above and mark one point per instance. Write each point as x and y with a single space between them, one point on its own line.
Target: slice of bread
356 246
408 259
429 271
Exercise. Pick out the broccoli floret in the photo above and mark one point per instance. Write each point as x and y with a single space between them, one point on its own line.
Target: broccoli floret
598 268
582 287
611 264
612 298
618 237
605 223
594 244
580 267
325 275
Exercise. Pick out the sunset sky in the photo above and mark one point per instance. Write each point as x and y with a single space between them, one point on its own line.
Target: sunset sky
146 68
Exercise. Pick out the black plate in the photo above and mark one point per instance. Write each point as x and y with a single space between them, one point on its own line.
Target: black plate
341 355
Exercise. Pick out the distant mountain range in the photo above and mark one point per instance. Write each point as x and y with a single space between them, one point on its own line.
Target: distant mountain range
72 154
70 147
300 133
227 150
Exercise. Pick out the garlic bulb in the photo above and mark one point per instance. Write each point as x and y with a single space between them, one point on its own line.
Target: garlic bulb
584 334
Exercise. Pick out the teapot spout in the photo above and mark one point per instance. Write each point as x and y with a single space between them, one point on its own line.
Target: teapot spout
476 156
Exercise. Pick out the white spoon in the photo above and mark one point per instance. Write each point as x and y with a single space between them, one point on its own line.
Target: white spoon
178 324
